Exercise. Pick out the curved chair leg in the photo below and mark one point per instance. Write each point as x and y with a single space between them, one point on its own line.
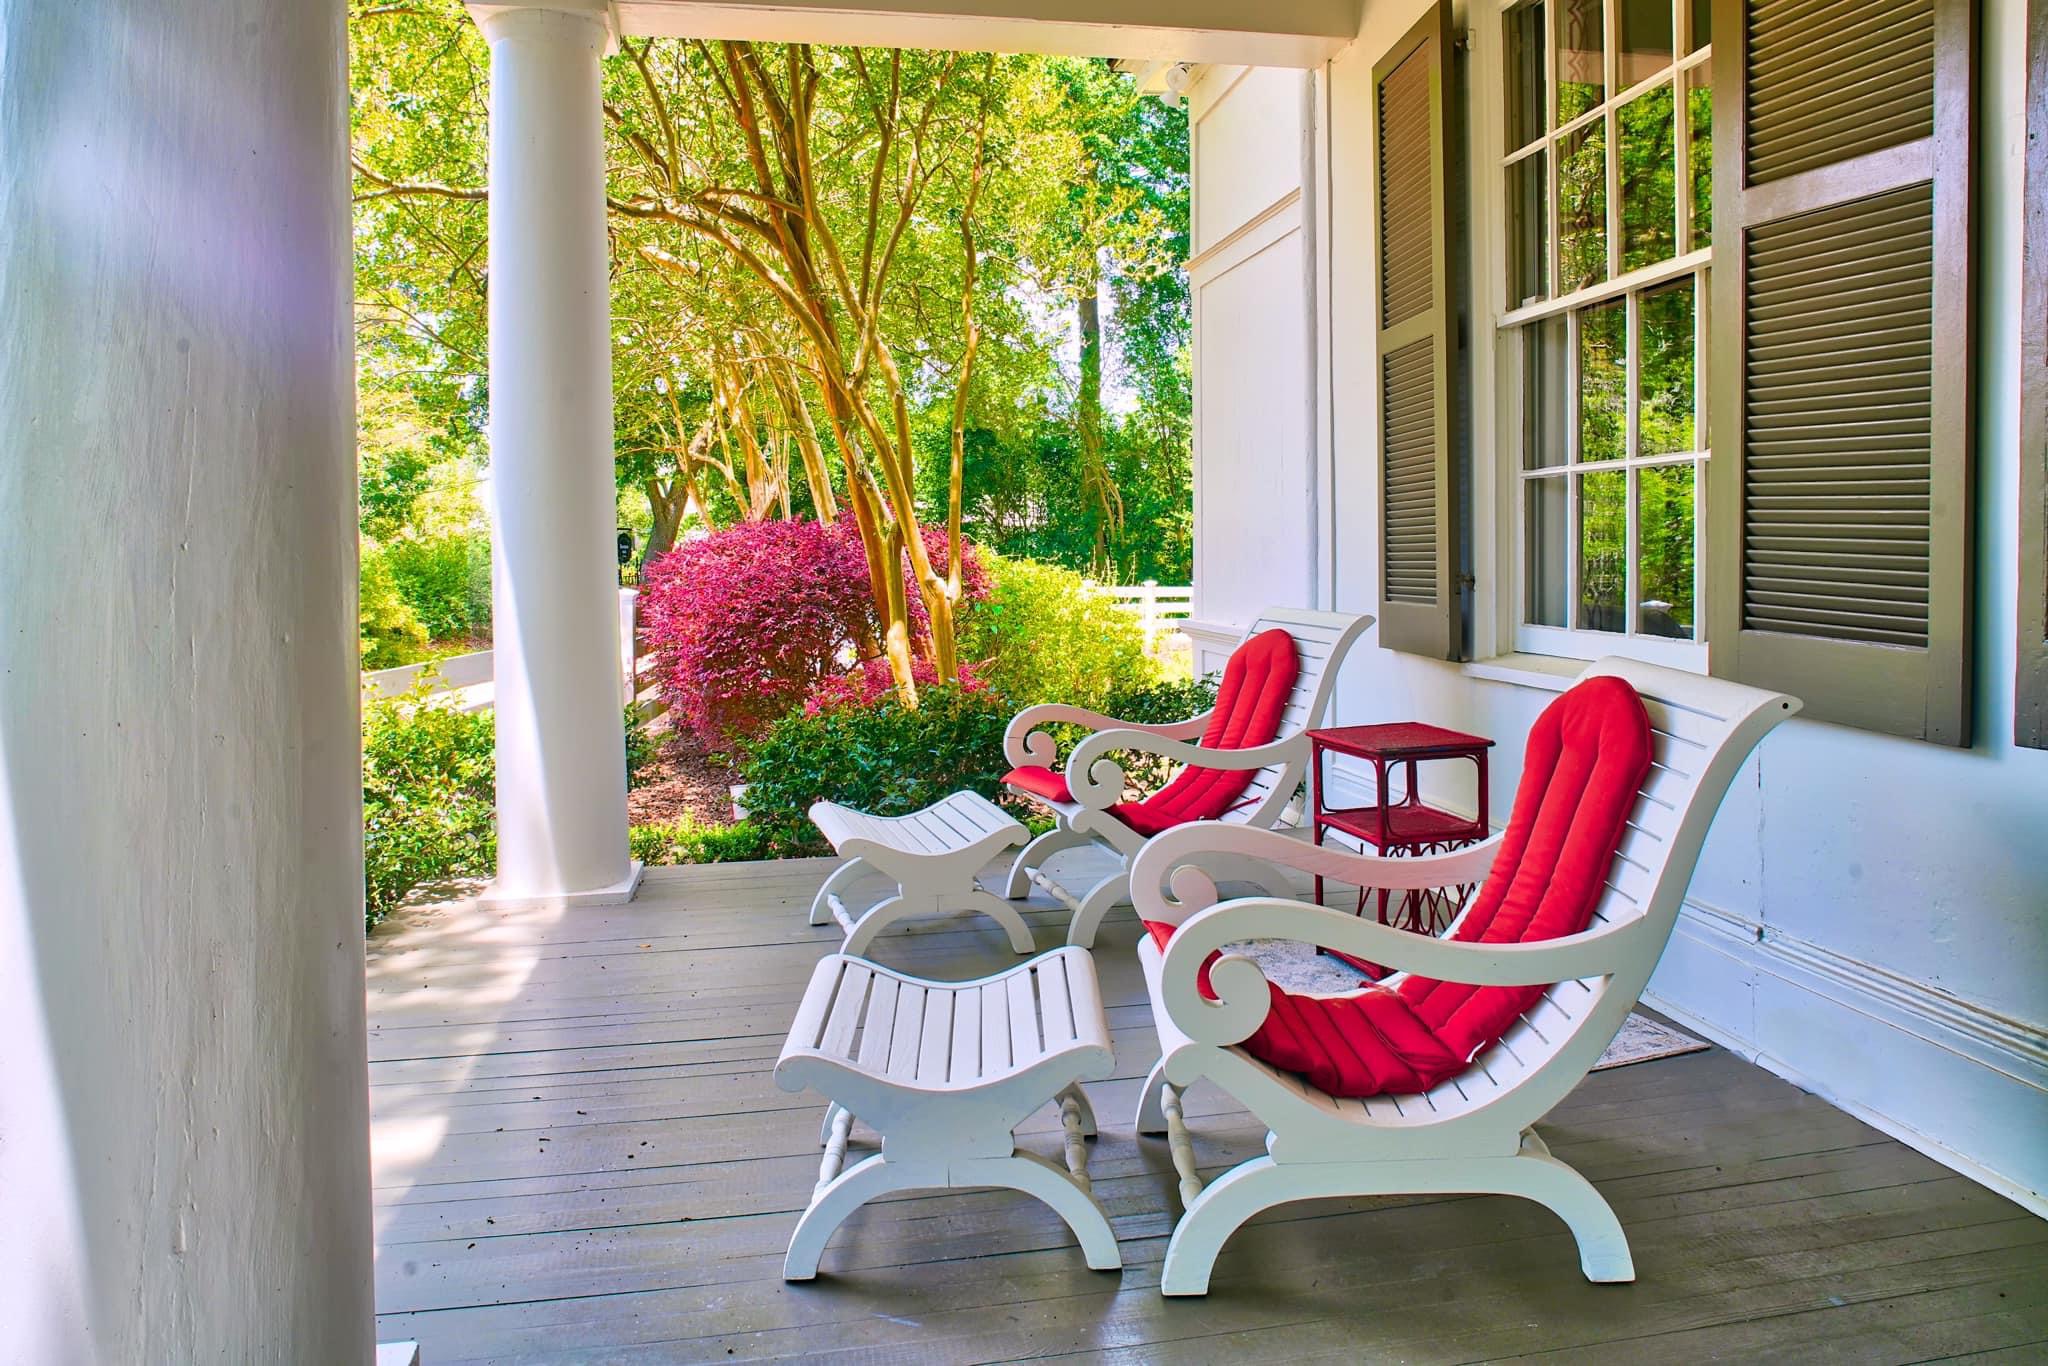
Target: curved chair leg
848 1191
878 918
1038 1178
1603 1247
1151 1118
1102 898
1218 1212
842 877
1035 854
832 1109
1004 914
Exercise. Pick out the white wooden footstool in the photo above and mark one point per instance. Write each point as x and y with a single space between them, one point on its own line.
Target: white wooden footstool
932 855
945 1072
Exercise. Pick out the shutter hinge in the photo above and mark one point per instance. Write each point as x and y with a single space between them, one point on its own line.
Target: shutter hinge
1468 581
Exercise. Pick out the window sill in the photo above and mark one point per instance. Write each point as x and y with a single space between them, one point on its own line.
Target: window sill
1545 672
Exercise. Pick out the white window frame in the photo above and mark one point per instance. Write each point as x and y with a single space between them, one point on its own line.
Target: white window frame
1512 321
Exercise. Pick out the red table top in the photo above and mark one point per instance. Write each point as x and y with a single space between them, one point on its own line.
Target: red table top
1397 740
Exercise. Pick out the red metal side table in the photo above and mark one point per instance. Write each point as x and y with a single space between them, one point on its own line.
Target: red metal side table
1403 824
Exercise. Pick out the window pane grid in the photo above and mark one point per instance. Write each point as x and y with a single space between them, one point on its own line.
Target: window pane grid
1612 445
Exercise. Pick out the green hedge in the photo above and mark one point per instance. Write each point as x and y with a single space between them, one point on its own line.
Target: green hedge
1041 636
881 757
429 804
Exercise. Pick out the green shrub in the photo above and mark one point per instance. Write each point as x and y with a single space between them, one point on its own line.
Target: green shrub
880 757
1045 638
429 808
446 581
388 631
689 841
1153 703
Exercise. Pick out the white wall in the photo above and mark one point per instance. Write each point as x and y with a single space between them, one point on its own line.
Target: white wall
1252 280
183 1120
1870 916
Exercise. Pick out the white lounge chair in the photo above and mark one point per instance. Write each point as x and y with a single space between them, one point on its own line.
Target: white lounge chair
1259 727
1469 1130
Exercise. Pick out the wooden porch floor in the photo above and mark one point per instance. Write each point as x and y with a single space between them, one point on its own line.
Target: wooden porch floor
580 1155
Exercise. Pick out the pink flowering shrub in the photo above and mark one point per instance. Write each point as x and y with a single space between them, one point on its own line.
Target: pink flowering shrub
747 622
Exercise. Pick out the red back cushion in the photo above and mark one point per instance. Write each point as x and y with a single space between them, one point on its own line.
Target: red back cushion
1249 704
1587 757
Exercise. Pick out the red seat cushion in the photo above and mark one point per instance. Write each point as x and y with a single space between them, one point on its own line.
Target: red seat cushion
1039 781
1249 705
1587 757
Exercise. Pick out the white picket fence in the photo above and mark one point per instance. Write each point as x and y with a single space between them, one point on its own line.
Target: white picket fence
1159 608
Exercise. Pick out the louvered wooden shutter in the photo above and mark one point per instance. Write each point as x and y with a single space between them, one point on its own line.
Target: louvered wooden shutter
1417 343
1839 492
2030 715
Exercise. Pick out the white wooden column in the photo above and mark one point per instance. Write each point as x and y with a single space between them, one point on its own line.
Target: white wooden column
561 747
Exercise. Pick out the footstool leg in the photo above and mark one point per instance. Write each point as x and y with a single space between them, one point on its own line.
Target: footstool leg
842 877
845 1193
880 917
1004 914
1151 1118
1038 1178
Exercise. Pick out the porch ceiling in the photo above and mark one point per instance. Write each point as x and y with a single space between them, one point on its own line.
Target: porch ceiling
1296 33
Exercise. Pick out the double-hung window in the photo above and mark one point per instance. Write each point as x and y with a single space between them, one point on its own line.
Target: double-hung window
1607 173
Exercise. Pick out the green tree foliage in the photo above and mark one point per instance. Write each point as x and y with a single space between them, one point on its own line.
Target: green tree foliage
722 411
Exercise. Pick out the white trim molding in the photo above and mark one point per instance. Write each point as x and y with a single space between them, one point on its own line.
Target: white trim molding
1908 1059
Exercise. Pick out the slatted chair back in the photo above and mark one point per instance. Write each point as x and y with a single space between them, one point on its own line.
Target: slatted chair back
1321 641
1702 729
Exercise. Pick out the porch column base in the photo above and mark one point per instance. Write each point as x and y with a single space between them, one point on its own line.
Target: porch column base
618 894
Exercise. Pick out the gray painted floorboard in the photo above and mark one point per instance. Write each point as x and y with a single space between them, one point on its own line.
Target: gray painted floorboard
581 1156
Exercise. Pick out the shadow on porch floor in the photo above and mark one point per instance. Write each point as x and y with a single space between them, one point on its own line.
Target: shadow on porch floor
580 1155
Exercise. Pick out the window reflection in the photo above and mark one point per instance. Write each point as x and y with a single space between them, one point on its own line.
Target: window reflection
1603 550
1665 540
1543 574
1643 39
1603 381
1648 164
1699 153
1581 57
1526 97
1665 370
1582 207
1528 230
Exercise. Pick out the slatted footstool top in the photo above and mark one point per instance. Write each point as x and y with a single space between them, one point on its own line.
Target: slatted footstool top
944 1072
932 855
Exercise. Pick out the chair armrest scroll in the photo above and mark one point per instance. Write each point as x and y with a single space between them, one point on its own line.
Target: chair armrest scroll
1241 989
1097 781
1025 743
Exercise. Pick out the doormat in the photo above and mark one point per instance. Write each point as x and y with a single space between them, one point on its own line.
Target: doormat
1296 966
